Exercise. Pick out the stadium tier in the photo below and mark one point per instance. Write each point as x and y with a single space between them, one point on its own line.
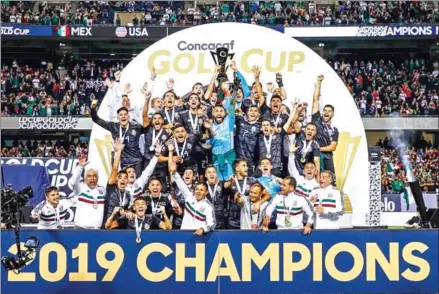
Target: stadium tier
269 137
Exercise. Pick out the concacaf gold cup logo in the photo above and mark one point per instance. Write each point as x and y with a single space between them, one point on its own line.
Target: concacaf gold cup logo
186 57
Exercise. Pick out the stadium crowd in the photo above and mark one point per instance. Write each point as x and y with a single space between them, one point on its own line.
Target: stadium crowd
43 148
379 87
294 13
424 158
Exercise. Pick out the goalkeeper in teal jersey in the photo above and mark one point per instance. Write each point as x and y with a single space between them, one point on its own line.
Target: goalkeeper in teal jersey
223 153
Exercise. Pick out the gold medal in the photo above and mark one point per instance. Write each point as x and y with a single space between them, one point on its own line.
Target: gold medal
59 227
302 159
268 155
138 240
95 205
287 221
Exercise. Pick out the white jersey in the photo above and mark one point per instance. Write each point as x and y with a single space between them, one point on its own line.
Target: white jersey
197 214
304 186
89 202
289 211
136 189
52 218
250 220
331 199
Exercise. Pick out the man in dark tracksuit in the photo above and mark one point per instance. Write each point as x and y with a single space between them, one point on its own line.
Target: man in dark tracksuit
327 135
128 133
217 195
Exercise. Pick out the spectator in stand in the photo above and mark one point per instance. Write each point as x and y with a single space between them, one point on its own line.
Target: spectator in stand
285 13
380 88
408 87
424 161
43 91
43 149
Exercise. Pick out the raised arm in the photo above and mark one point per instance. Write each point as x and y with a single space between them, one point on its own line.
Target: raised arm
95 117
257 72
245 88
147 172
280 83
166 223
74 182
316 97
292 169
179 181
118 148
145 110
211 86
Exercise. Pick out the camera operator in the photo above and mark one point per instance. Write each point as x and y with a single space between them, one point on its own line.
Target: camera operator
50 213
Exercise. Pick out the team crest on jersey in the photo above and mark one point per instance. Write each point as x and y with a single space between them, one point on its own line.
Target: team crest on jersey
294 203
330 195
100 191
253 129
202 209
133 132
146 226
163 137
189 145
136 186
274 137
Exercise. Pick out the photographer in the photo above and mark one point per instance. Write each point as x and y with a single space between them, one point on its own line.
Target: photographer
50 213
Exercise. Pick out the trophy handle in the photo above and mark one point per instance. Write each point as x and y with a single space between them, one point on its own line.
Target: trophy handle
214 57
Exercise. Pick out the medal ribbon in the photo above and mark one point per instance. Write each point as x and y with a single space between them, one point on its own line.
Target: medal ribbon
306 148
267 143
138 228
122 138
241 191
180 153
155 139
212 193
194 122
155 206
122 199
170 119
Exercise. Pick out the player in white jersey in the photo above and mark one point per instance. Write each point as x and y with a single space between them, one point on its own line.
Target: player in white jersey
199 214
251 220
51 212
90 197
136 185
328 203
306 183
289 209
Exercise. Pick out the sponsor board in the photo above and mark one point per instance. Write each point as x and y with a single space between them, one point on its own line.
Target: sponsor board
186 57
97 261
400 202
48 123
123 32
364 31
73 31
25 31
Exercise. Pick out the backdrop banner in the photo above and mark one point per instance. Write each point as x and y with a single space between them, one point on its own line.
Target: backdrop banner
186 57
378 261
